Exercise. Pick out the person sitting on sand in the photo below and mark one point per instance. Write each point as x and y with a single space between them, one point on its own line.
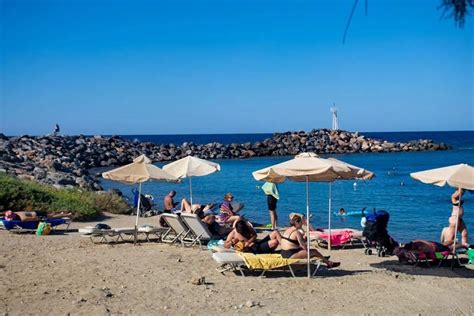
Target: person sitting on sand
227 214
244 238
169 205
449 234
294 246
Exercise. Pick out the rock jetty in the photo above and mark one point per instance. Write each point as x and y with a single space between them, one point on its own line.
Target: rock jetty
65 161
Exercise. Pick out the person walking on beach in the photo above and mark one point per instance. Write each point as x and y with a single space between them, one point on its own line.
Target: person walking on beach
271 191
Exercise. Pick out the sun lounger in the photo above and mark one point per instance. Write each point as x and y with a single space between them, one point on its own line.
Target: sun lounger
199 231
424 251
31 226
99 235
232 261
178 232
340 237
113 235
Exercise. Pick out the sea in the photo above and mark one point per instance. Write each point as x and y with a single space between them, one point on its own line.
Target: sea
417 210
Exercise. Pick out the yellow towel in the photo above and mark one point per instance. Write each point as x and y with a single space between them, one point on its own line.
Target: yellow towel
265 261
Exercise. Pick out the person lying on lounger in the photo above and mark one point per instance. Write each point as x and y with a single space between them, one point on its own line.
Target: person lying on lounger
33 216
204 213
244 238
294 246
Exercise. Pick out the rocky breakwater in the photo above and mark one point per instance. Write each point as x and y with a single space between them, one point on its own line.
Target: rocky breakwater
65 161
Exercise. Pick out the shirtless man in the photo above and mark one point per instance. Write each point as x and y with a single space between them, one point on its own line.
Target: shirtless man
169 204
244 234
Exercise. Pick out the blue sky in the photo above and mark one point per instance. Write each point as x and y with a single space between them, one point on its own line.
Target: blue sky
228 66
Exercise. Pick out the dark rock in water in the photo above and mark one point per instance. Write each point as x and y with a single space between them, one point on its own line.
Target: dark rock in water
64 161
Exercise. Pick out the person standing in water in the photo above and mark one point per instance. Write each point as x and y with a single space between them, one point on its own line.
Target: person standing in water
271 191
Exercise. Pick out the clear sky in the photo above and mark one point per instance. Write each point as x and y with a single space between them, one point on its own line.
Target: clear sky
228 66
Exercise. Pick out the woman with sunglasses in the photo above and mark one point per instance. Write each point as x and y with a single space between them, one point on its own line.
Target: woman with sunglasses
294 246
227 214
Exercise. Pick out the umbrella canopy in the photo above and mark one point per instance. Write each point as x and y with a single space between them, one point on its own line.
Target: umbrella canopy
139 171
191 167
457 176
356 172
306 167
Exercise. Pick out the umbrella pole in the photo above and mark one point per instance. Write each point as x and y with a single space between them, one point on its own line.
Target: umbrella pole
191 192
308 238
456 226
138 211
329 215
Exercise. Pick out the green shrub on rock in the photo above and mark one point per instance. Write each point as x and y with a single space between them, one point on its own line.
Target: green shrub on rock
24 195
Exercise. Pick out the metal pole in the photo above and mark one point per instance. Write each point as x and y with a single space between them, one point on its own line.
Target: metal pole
329 214
457 220
138 211
191 191
308 238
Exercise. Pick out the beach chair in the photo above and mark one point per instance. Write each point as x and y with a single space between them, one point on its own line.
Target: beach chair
200 233
18 226
114 235
341 237
427 252
240 262
178 232
98 235
128 233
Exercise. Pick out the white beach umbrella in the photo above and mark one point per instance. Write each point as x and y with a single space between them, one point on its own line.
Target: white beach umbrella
305 167
139 171
191 167
459 176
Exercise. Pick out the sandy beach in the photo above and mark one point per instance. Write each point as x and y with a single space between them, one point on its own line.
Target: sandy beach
68 274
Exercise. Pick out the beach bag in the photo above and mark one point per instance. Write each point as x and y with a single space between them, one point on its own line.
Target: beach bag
43 229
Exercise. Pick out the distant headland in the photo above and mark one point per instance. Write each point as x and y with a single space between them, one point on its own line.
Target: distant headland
65 160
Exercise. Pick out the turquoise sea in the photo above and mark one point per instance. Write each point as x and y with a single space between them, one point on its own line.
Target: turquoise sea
417 210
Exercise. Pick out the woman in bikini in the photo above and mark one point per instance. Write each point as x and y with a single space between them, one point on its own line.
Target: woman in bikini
458 212
294 246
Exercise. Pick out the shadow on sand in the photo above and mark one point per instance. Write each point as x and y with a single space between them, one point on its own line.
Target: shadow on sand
444 271
302 273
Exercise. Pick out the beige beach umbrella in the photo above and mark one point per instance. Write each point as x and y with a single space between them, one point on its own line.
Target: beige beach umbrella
305 167
189 167
356 172
458 176
139 171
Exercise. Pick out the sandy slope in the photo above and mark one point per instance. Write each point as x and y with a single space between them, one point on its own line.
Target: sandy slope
68 274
